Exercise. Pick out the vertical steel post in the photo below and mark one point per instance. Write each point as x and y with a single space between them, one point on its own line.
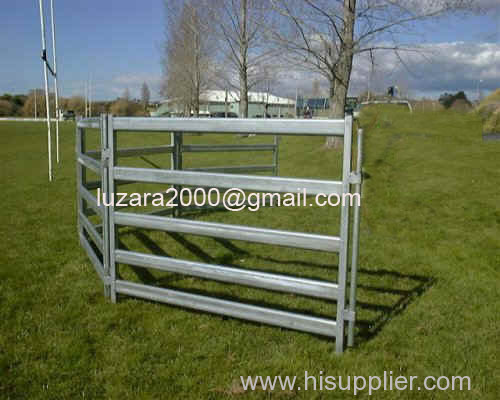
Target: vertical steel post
80 176
55 75
344 235
276 155
111 150
355 243
47 105
105 192
177 165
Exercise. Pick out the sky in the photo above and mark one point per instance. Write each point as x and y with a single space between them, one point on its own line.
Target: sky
117 44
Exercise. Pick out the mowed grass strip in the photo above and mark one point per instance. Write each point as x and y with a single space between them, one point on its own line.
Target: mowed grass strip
428 280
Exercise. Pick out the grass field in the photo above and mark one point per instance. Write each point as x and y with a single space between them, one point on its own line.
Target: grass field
429 297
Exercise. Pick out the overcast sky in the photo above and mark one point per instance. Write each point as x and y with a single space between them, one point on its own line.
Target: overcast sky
117 43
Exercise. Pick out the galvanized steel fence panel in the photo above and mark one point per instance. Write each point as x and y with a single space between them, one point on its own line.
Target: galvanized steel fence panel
101 244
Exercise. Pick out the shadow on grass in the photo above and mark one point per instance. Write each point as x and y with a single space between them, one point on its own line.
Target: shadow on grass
371 287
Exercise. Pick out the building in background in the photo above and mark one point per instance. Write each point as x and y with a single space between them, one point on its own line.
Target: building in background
216 103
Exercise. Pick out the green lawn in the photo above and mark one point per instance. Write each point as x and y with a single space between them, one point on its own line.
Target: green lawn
428 282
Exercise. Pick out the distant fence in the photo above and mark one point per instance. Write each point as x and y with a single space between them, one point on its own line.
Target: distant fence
102 241
28 119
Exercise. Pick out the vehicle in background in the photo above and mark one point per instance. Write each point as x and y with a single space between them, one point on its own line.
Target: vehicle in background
68 115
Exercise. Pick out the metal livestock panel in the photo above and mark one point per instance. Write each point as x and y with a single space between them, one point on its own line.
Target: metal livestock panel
112 175
93 242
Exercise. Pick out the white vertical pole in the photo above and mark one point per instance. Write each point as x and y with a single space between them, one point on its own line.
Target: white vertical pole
55 76
90 97
86 101
44 50
35 103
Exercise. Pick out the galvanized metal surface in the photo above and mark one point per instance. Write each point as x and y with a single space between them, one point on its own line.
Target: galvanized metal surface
301 322
264 280
344 236
136 151
355 244
239 168
91 201
90 163
93 258
216 180
231 232
92 231
208 148
232 126
112 175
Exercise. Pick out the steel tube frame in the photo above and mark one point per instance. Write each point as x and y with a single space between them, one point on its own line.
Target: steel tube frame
355 240
112 175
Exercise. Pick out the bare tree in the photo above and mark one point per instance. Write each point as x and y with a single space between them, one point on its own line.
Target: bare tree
126 95
316 88
244 55
325 35
145 95
186 61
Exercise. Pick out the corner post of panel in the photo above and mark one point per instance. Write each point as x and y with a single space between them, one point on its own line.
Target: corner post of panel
105 193
112 232
355 240
80 176
344 235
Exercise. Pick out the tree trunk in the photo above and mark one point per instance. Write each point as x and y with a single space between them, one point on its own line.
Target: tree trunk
339 82
243 60
226 105
243 95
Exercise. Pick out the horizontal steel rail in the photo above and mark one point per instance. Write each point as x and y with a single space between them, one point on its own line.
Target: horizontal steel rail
91 201
92 231
232 232
93 258
258 279
242 168
136 151
89 123
285 319
237 125
208 148
244 182
90 163
97 184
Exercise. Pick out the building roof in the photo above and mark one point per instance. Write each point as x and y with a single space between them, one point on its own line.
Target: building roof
219 96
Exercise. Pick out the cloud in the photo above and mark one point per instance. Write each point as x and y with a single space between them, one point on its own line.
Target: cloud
433 69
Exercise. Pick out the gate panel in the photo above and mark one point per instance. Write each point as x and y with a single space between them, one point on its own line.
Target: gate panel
112 175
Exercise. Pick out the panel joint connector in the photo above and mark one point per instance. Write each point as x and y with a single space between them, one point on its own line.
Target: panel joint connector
349 315
106 154
355 178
